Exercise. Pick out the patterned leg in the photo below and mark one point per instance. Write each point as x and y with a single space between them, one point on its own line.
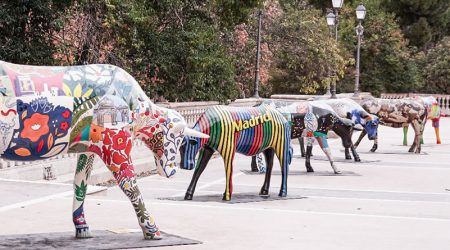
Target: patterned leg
326 149
115 152
283 157
415 147
310 141
269 154
205 155
83 171
405 136
435 123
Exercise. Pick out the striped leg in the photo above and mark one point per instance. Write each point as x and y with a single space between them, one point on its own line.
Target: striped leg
310 141
83 171
228 163
283 159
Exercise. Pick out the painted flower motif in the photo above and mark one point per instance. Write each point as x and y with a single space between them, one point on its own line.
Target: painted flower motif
66 114
35 127
64 126
120 140
95 133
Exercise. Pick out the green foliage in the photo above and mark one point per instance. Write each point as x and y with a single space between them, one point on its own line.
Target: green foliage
80 191
436 68
26 29
387 64
423 21
307 58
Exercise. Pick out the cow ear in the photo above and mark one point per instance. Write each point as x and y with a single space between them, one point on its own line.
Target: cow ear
368 118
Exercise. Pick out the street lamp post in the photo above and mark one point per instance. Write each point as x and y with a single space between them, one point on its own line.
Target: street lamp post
337 4
258 56
360 14
330 22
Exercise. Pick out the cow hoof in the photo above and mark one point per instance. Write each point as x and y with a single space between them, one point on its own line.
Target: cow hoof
348 157
226 197
438 142
309 170
264 193
411 151
153 236
357 159
337 172
83 232
303 155
188 196
282 194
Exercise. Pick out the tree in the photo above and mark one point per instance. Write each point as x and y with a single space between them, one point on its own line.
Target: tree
387 64
436 68
306 57
26 30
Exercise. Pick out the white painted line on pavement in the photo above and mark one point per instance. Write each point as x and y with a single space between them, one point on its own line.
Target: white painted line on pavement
37 182
271 210
34 201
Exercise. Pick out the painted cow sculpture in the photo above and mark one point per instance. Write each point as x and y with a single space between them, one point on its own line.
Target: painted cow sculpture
348 108
248 131
398 113
312 120
90 109
434 114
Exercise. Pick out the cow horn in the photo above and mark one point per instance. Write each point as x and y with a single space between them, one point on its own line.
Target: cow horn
195 133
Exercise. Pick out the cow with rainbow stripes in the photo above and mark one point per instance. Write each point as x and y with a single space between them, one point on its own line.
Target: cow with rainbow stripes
248 131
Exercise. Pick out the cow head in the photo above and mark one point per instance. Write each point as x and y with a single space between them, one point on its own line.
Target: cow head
162 130
370 124
188 150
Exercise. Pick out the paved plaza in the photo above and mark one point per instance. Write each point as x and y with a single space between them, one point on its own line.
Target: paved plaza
391 200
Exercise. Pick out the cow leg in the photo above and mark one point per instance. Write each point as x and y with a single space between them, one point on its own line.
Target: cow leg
282 153
302 146
405 136
205 155
310 141
361 136
354 153
375 145
82 173
326 149
435 123
228 163
347 154
254 166
416 147
268 154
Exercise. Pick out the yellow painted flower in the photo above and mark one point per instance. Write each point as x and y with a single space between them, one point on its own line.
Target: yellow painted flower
77 91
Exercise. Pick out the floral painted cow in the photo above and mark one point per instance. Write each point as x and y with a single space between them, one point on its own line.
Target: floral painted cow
434 114
398 113
248 131
91 109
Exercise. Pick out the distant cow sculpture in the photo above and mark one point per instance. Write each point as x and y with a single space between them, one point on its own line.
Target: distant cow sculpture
248 131
91 109
434 114
398 113
348 108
